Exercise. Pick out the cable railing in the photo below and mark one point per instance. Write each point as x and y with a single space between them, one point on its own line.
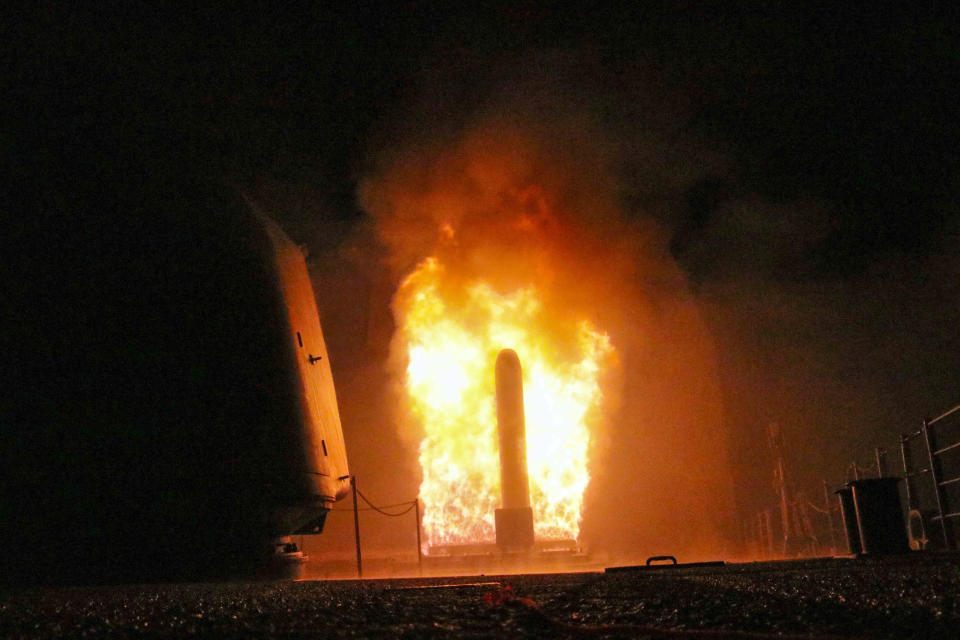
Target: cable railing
404 508
931 505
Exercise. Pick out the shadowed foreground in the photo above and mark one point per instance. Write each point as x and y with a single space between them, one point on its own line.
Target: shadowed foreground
909 597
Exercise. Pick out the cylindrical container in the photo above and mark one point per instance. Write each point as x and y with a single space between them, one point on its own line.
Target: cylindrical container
849 514
880 516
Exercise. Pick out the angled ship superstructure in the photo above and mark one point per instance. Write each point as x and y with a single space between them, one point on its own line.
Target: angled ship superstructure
175 415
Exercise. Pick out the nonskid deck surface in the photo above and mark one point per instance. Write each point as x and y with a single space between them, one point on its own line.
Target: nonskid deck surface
885 598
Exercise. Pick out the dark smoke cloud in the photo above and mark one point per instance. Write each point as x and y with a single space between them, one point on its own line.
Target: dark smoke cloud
843 363
732 307
612 176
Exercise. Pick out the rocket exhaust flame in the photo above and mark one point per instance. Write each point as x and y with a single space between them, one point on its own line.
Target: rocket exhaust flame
453 330
511 230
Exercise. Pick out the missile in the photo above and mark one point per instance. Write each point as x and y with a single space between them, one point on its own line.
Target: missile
514 521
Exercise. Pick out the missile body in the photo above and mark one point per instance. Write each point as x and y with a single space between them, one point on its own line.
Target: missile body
511 431
514 522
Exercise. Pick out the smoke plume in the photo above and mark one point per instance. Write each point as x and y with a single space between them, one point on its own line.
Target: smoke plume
528 187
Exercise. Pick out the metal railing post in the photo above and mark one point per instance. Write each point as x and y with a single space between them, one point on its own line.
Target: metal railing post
881 455
907 463
935 475
826 507
419 546
356 526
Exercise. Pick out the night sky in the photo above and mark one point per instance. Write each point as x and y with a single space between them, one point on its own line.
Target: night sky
803 161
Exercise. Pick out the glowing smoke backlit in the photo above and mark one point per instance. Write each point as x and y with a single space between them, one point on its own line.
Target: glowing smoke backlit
510 232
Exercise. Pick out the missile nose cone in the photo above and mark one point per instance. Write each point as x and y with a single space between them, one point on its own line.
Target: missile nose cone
508 372
508 357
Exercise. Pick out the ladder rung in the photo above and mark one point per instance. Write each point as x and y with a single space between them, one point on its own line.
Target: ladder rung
947 448
947 515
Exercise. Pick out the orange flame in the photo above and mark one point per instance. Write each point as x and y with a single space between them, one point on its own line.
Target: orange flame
452 331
